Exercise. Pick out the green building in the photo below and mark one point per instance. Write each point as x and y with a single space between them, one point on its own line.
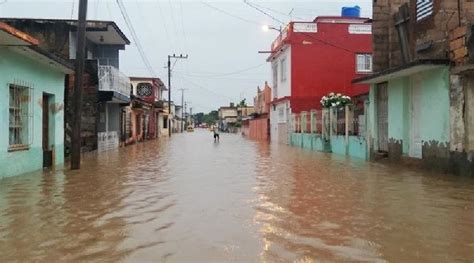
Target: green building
32 85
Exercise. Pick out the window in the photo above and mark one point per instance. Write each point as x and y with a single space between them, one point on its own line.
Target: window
19 117
363 63
424 8
283 69
275 80
281 114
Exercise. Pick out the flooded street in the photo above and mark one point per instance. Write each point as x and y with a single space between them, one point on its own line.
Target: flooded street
190 200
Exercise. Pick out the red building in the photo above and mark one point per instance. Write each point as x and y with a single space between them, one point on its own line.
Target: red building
311 59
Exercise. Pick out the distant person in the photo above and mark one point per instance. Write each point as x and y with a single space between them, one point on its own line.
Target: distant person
216 134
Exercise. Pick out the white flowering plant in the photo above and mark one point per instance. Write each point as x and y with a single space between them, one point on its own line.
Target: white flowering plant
335 100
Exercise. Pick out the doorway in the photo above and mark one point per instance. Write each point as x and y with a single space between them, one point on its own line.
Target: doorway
415 149
47 128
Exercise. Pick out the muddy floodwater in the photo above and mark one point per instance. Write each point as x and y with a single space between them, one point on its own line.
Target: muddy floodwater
189 199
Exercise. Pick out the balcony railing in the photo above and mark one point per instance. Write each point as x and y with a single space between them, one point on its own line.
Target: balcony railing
111 79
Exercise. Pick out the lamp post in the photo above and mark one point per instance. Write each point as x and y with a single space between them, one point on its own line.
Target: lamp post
268 28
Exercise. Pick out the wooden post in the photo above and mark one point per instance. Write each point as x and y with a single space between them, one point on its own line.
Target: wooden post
78 79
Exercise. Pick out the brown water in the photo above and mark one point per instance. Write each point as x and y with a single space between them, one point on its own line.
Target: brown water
190 200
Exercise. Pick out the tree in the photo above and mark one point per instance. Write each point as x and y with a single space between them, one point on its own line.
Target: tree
243 103
199 118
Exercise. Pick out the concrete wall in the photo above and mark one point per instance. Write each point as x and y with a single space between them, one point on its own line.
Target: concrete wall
13 67
355 147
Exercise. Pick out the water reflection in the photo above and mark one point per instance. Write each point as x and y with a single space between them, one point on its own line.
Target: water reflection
190 199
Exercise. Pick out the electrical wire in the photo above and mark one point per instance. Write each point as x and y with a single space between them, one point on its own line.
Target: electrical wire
232 73
263 12
173 22
125 16
206 89
165 27
276 11
230 14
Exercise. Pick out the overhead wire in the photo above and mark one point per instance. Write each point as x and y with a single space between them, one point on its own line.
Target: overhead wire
233 72
173 22
165 27
263 12
230 14
129 24
206 89
277 12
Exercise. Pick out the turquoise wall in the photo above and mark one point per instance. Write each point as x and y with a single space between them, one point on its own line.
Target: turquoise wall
14 66
356 146
398 111
338 144
434 119
435 122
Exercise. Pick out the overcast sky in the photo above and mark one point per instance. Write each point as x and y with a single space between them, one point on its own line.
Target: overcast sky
222 39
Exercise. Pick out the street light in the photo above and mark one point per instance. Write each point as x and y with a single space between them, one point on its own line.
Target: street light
267 28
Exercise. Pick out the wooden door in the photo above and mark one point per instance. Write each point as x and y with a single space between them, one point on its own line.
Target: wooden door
47 152
415 118
382 116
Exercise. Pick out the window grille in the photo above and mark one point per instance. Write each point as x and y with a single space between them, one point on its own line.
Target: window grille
424 8
20 123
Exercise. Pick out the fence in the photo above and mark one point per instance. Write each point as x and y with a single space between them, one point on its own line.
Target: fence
346 120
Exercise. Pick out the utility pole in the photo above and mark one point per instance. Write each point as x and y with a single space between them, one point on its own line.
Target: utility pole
77 98
169 87
182 112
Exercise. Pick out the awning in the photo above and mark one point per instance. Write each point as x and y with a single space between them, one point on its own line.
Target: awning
403 71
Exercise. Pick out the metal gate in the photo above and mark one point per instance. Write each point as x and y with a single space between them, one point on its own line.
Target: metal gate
382 116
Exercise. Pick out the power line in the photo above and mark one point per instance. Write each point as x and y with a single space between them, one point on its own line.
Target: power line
157 2
263 12
276 11
232 73
230 14
206 89
173 22
135 37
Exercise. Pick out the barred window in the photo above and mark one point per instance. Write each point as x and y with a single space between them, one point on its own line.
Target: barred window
424 8
363 63
19 117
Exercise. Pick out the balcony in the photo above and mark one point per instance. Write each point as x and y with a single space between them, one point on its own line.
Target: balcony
111 79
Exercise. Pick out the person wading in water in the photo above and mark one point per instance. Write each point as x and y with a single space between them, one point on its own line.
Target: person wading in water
216 134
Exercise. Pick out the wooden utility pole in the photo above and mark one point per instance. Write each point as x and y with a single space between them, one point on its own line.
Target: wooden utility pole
78 79
169 87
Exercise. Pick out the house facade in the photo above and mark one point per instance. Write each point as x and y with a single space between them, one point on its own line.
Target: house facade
304 69
421 94
31 104
228 118
106 90
141 119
